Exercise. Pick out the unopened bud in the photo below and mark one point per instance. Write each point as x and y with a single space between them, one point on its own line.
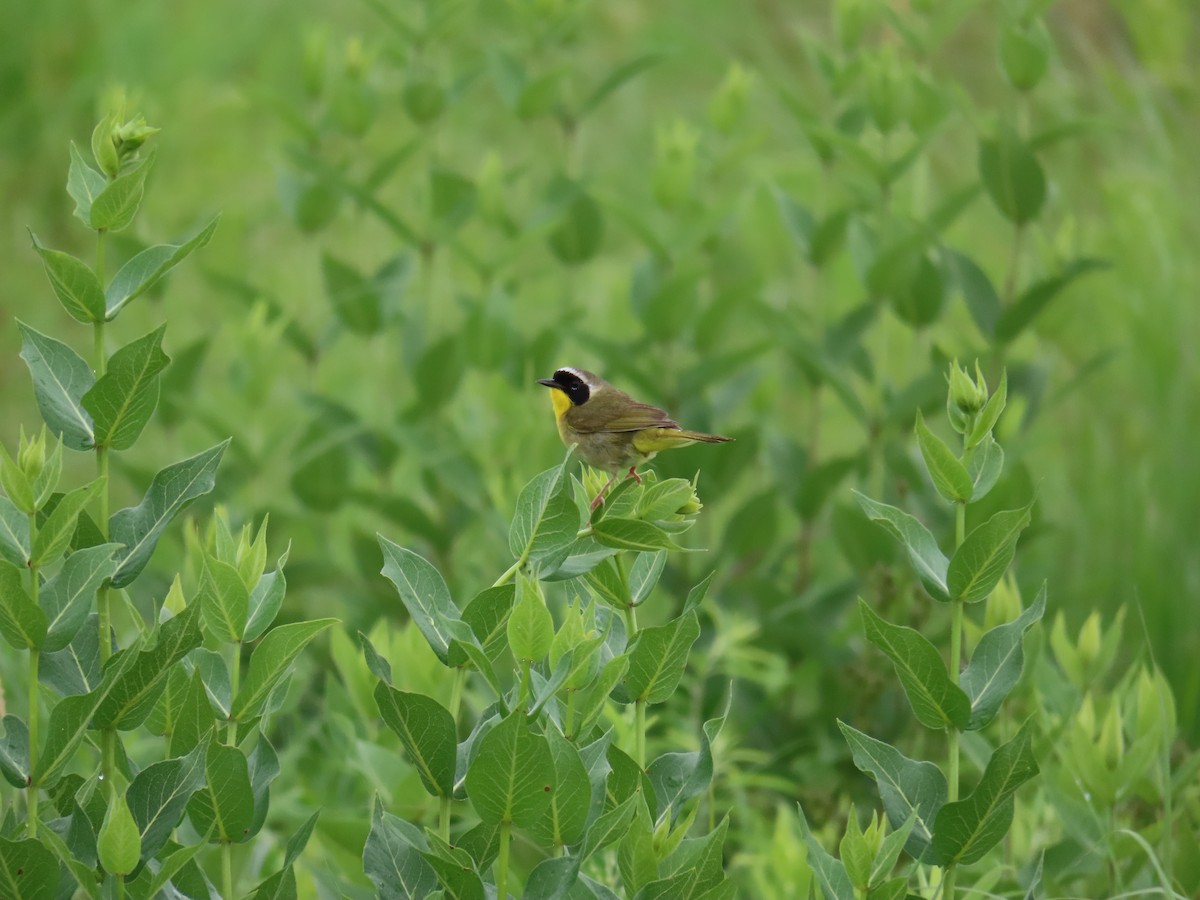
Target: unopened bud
128 138
965 397
31 454
1024 54
728 104
675 162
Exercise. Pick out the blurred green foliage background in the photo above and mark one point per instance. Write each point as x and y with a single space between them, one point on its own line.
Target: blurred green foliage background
409 404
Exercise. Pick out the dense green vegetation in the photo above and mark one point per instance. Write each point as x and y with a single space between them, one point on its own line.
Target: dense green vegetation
875 242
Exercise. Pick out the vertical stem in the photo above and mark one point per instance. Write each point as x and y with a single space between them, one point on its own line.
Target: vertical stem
956 629
444 818
526 684
639 736
108 760
456 691
235 672
34 657
1014 266
120 887
227 870
569 722
502 861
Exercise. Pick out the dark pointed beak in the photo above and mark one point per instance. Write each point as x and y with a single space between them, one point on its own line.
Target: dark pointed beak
548 382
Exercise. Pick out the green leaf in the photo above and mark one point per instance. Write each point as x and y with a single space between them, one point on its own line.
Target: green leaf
658 656
928 560
990 414
270 662
263 766
130 691
298 841
1035 298
615 79
76 668
580 232
996 664
28 871
452 200
565 818
909 789
937 701
60 379
123 399
427 731
855 854
636 857
14 534
605 582
74 283
172 489
647 568
530 626
115 206
610 825
356 299
119 842
982 559
487 615
512 775
889 851
84 185
546 519
552 878
392 858
224 600
949 476
966 830
174 864
22 623
265 601
159 795
1012 176
977 289
632 534
227 802
426 597
193 719
695 867
55 534
14 752
829 872
66 599
984 462
678 777
144 270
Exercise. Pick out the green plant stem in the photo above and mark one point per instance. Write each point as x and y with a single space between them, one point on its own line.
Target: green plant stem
510 571
227 870
639 733
526 684
235 677
120 887
456 692
569 721
108 760
103 606
34 657
502 861
444 818
956 629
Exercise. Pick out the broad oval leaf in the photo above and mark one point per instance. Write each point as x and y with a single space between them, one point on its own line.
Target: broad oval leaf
632 534
996 664
172 489
22 623
923 551
658 657
936 701
123 399
1012 176
546 518
966 830
949 475
426 597
66 599
144 270
226 805
909 789
392 858
74 283
427 731
512 775
60 379
270 662
115 206
980 562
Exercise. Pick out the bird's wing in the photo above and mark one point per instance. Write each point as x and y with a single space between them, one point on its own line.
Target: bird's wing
633 417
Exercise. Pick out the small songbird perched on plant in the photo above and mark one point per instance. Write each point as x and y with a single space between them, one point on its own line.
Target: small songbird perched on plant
611 430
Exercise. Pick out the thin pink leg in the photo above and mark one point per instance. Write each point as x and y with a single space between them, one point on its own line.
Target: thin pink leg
600 496
634 475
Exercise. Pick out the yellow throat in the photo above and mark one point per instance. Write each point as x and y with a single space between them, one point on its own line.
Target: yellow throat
560 401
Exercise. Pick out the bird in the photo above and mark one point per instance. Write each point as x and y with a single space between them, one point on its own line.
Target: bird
610 429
